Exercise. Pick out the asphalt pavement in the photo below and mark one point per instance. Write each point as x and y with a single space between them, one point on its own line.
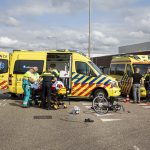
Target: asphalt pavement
21 129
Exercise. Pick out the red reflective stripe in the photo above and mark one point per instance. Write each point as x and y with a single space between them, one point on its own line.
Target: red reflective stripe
106 85
75 85
79 88
93 88
2 83
85 89
5 87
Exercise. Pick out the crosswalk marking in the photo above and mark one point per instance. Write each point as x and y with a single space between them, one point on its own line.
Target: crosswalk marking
108 120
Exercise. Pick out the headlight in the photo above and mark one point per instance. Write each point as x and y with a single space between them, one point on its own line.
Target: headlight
113 83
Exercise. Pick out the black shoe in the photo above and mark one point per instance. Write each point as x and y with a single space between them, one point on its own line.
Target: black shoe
88 120
36 103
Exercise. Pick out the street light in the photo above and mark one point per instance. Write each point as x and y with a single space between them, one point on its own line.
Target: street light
55 40
89 41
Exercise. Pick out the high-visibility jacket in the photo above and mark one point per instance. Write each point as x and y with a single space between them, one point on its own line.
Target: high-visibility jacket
47 76
36 76
28 75
55 72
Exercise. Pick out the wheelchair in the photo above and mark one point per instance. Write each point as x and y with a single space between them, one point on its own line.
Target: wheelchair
101 105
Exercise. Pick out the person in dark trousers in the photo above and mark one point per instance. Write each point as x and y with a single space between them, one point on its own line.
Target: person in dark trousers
147 85
136 85
48 77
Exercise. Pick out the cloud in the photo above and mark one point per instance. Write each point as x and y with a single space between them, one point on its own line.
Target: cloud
138 34
9 21
6 42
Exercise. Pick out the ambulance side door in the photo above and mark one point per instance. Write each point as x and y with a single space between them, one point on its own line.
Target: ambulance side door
4 71
22 65
81 79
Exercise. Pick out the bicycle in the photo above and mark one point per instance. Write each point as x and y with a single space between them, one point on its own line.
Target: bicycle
101 105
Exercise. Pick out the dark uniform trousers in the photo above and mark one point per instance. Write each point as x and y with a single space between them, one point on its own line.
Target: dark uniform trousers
46 89
46 93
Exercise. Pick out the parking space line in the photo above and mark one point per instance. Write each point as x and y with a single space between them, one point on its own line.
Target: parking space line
103 115
142 104
88 107
87 104
4 104
109 120
146 107
136 148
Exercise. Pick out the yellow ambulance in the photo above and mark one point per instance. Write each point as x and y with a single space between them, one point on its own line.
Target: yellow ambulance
4 71
85 78
121 65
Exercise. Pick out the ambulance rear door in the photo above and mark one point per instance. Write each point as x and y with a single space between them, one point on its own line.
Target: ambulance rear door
4 71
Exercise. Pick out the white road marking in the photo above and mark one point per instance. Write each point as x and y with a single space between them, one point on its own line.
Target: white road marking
87 104
4 104
103 115
142 104
146 107
108 120
88 107
136 148
4 100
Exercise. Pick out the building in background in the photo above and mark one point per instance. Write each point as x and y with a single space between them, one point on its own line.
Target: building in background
135 48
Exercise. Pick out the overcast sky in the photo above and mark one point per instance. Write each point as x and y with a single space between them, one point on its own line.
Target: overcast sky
47 24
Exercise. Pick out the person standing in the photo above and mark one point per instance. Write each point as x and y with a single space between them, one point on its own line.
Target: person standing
28 78
147 85
136 85
48 77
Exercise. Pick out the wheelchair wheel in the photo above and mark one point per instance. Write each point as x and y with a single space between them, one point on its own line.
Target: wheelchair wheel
100 104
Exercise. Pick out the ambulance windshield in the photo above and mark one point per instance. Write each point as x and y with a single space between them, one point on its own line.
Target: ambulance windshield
143 67
3 66
95 67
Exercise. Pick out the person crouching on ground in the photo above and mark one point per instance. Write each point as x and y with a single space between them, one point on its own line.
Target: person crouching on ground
136 85
26 85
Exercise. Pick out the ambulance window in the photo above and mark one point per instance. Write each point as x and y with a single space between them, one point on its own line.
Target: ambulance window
113 69
120 69
129 70
22 66
3 66
84 68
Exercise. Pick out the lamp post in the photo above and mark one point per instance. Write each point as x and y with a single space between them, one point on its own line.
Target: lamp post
55 40
89 40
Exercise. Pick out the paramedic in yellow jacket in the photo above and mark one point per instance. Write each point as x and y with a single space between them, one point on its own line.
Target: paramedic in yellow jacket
28 78
35 85
54 71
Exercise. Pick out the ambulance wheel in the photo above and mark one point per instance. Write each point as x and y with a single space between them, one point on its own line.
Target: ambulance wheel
100 92
13 95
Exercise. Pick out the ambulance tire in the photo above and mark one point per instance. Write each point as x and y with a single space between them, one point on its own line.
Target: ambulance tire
13 95
100 92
